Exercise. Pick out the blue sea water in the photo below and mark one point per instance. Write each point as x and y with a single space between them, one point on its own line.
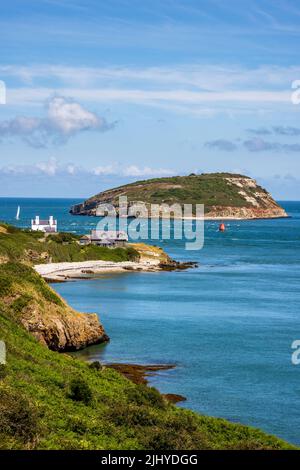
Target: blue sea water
228 325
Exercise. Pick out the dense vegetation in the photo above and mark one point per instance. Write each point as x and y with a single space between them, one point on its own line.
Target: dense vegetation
53 401
20 285
212 189
22 245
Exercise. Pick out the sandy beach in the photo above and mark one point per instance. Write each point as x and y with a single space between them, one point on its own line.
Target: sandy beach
85 269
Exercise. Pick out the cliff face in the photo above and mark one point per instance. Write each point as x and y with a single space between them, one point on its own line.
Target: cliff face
224 195
259 204
33 304
62 328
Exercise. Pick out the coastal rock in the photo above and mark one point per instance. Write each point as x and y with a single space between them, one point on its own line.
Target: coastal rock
273 211
224 195
63 329
32 303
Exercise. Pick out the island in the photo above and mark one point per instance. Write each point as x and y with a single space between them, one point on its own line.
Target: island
224 195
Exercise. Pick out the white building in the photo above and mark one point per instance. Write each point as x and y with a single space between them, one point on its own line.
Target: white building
48 226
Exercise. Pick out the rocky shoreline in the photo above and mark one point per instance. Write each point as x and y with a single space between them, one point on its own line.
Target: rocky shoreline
62 272
139 374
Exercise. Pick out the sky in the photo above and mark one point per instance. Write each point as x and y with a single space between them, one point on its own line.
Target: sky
95 94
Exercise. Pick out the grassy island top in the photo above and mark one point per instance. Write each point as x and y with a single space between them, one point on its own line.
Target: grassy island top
209 189
217 191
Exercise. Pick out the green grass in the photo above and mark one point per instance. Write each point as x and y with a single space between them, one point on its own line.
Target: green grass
208 189
53 401
26 246
17 279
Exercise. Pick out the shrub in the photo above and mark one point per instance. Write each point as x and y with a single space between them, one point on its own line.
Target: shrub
3 371
96 365
132 254
12 229
179 431
18 418
21 302
77 424
122 414
62 237
80 391
144 395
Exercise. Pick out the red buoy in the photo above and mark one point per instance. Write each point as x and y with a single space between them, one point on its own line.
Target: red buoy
222 227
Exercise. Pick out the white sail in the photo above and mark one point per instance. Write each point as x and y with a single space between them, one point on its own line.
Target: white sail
18 213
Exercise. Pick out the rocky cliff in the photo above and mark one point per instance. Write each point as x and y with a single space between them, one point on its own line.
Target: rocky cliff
224 195
33 304
61 328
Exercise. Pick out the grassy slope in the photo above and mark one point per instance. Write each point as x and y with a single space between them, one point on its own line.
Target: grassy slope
52 401
36 410
25 246
209 189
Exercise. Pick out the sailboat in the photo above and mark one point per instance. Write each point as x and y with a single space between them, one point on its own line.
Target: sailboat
18 213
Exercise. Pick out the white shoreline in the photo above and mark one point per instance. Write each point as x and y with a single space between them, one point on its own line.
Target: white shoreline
77 270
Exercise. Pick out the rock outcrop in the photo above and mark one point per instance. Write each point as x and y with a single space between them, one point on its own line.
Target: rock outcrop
224 195
31 302
63 329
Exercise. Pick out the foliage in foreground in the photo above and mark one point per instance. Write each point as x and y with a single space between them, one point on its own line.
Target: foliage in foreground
34 247
53 401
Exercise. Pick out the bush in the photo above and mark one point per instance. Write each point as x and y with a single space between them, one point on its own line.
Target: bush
18 418
21 303
3 371
80 391
96 365
177 432
77 424
12 229
132 254
162 439
144 395
122 414
62 237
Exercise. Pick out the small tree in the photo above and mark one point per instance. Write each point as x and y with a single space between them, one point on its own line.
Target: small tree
80 391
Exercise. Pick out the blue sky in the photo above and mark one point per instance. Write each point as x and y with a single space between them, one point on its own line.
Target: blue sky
99 93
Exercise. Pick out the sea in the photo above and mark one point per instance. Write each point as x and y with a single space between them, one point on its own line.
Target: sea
228 325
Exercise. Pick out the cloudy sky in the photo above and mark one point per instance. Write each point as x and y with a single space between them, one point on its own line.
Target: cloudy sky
99 93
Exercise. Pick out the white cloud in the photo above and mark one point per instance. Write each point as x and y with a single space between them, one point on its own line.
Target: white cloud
140 96
52 167
106 170
71 169
64 118
68 117
195 89
49 167
131 170
202 77
134 170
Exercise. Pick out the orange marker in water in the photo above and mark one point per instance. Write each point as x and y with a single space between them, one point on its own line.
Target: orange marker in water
222 228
